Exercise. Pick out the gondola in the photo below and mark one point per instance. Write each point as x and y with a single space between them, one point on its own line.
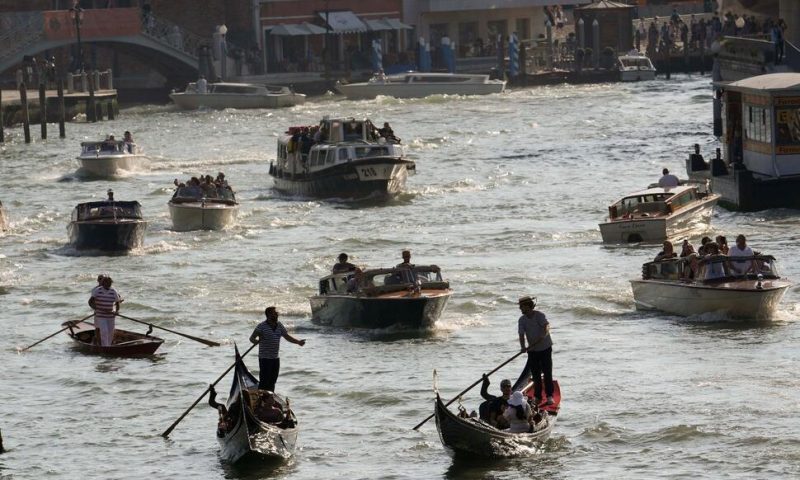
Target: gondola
246 435
125 343
464 435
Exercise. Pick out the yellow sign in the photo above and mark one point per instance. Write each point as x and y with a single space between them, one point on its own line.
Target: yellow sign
787 149
784 101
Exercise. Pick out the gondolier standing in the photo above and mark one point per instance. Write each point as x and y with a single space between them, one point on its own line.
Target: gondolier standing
268 336
534 327
105 301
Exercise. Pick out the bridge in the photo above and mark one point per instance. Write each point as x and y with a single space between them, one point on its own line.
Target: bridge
161 44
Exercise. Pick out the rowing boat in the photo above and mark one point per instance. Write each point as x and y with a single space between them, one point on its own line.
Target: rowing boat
465 435
125 343
247 435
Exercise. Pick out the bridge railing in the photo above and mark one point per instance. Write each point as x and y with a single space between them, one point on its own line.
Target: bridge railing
79 82
171 35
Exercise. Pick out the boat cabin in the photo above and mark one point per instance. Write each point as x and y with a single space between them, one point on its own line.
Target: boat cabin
190 193
385 280
653 202
760 124
634 62
107 210
712 268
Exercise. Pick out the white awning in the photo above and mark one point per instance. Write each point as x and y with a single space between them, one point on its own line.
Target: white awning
292 30
386 24
343 22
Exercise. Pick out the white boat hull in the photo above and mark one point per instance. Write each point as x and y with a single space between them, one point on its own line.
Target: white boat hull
680 224
191 101
201 216
109 165
738 299
355 91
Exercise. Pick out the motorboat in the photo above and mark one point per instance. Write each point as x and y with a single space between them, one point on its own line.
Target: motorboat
419 85
659 213
350 160
107 225
3 218
104 159
246 436
462 434
124 344
694 286
193 209
236 95
635 66
406 298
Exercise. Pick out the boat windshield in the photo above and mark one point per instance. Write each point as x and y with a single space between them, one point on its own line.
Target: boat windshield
105 210
635 62
239 89
715 267
652 203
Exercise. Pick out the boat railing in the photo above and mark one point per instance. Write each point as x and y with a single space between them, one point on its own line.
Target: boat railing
711 268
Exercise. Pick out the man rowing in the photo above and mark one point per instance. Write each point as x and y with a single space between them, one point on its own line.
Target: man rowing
105 301
267 335
534 327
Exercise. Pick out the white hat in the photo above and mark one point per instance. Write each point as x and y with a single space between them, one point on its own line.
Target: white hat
517 399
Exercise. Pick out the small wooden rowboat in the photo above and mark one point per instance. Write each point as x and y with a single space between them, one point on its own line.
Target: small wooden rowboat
125 343
472 436
248 436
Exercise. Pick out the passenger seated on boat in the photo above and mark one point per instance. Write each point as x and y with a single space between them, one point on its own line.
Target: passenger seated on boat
491 410
518 414
387 133
742 267
343 265
351 131
702 250
266 409
355 280
686 249
128 139
713 270
110 145
225 422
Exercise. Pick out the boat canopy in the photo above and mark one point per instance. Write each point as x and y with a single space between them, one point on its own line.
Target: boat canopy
106 209
712 268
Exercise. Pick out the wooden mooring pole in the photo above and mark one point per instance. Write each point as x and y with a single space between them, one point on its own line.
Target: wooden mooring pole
26 119
43 110
91 111
62 111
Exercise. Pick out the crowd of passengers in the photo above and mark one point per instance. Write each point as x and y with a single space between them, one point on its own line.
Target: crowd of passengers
303 138
356 279
204 186
709 249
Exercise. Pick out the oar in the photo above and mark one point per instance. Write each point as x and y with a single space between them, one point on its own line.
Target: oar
54 334
175 424
470 387
210 343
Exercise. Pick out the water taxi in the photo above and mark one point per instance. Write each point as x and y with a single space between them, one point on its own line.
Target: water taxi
107 158
659 213
237 95
107 225
350 159
419 85
190 208
635 66
694 286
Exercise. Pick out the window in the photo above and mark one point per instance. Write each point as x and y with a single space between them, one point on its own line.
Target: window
467 35
758 124
342 154
523 28
497 27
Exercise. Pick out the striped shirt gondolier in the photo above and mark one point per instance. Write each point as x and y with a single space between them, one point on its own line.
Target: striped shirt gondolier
104 300
269 340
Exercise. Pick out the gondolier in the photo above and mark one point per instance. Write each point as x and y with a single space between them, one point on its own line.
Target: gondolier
105 301
534 327
268 336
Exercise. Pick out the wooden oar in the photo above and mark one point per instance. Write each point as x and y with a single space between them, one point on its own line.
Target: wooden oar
175 424
210 343
470 387
54 334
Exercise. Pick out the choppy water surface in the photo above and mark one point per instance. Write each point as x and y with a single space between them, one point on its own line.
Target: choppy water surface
506 200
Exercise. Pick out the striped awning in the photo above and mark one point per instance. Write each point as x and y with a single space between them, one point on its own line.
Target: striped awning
296 29
386 24
343 21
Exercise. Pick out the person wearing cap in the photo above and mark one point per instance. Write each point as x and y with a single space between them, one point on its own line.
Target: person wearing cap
534 327
491 411
267 335
343 265
518 414
105 301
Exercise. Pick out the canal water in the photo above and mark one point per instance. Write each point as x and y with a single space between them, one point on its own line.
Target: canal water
507 197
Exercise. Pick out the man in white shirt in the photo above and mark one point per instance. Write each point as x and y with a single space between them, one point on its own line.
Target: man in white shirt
667 179
202 85
741 249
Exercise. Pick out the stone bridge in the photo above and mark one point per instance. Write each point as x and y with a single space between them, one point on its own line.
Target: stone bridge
164 46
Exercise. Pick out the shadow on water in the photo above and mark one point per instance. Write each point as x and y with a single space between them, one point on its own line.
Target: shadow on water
542 465
258 468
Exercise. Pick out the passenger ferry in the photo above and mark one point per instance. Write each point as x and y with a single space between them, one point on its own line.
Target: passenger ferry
350 159
419 85
659 213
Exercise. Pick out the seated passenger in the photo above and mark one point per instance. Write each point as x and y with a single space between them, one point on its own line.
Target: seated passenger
686 249
702 250
224 422
491 411
714 270
518 414
129 143
355 280
667 253
109 145
266 409
741 267
387 132
343 265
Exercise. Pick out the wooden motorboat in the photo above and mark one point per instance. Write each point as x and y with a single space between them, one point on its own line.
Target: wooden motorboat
237 95
107 225
658 214
125 343
350 161
412 298
247 435
108 158
420 84
635 66
191 209
711 284
465 435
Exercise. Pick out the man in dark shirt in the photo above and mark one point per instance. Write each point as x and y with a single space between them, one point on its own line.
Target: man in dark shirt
343 265
491 411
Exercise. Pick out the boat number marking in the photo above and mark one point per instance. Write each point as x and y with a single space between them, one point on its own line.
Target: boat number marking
369 172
